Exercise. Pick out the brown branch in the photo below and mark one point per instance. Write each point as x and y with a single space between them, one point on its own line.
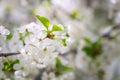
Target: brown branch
89 3
8 54
108 34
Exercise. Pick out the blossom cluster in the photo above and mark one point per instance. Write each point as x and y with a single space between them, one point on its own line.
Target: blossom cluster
38 47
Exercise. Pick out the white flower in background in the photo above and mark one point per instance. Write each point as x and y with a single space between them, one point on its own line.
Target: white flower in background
55 71
65 4
52 76
4 31
83 59
0 48
113 70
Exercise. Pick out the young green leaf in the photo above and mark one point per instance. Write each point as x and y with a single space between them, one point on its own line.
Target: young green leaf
67 35
27 33
16 61
57 28
62 68
8 66
92 48
87 40
9 36
44 21
64 42
47 31
88 50
22 36
74 14
58 63
67 68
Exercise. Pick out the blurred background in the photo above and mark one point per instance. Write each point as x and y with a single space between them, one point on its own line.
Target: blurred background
86 21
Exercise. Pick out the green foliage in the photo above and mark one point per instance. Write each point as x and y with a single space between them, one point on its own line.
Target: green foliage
44 21
2 79
58 63
74 14
64 42
87 40
26 33
92 48
8 66
67 35
22 36
9 36
59 67
57 28
100 73
49 32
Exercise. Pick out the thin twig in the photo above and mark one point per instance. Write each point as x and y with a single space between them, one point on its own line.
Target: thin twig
8 54
108 34
89 3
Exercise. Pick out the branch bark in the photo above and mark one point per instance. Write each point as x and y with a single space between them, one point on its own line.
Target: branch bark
8 54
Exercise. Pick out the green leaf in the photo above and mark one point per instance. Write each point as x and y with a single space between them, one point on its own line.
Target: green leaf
67 35
97 42
47 31
44 21
87 40
57 28
74 14
62 68
67 68
8 66
87 50
2 79
92 48
26 33
16 61
22 36
64 42
9 36
58 63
